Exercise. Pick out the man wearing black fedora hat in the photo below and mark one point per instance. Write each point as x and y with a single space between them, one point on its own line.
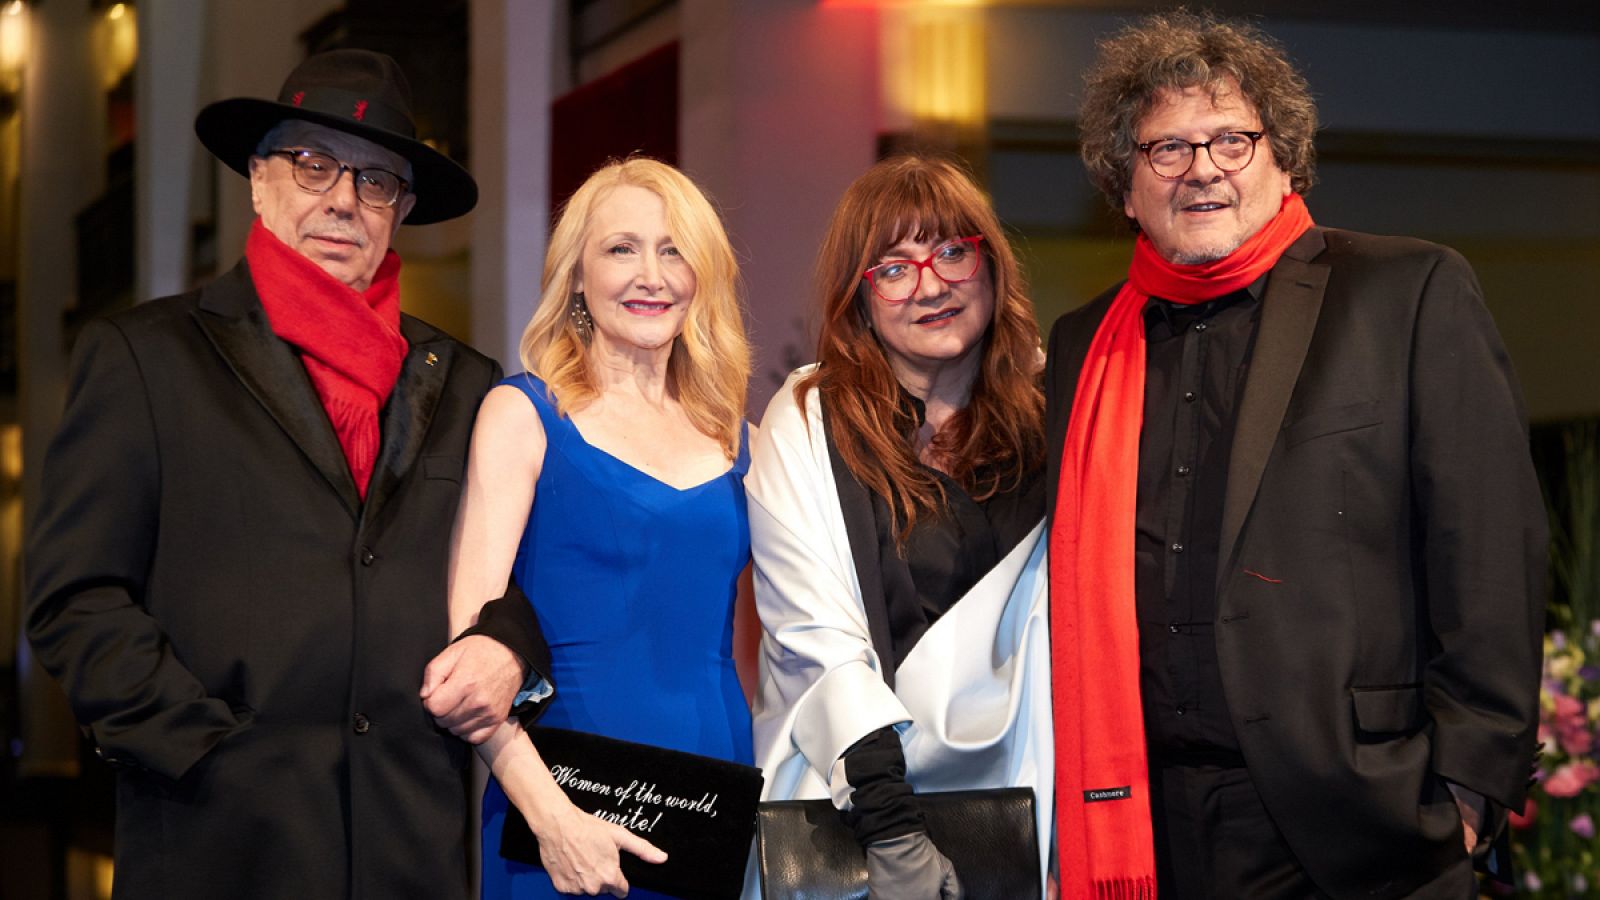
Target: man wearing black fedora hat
237 569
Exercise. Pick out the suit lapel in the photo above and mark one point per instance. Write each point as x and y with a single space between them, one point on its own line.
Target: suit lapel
1069 346
409 411
232 318
1289 311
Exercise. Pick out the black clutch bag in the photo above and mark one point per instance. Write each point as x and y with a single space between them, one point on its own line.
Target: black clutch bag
806 850
699 809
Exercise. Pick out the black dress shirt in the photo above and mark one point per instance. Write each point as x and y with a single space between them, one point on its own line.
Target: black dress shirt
1196 359
947 553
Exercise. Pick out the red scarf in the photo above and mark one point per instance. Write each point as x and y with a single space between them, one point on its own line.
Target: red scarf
349 340
1102 776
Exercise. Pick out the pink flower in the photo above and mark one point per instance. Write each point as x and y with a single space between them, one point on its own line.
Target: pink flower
1568 709
1582 826
1576 740
1569 720
1571 779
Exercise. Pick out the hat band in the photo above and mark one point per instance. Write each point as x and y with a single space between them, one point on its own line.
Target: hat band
357 107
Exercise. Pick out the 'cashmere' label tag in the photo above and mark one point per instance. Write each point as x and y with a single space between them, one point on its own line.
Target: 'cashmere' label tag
1116 793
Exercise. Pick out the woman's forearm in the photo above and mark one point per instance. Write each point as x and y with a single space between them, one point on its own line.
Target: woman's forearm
516 764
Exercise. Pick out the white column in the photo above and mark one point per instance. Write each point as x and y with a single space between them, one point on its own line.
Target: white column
511 51
166 97
63 170
779 112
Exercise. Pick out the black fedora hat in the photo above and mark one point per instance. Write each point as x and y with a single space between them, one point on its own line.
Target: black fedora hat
356 91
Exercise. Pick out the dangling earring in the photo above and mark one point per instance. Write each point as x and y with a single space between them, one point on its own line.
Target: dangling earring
578 312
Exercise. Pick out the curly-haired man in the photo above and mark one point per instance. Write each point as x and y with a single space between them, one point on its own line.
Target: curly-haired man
1297 543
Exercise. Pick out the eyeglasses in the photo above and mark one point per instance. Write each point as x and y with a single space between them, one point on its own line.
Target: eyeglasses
1230 151
319 172
896 280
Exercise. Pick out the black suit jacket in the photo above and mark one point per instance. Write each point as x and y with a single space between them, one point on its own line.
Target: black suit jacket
243 637
1380 598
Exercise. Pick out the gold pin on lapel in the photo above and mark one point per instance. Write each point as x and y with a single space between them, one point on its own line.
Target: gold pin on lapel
430 359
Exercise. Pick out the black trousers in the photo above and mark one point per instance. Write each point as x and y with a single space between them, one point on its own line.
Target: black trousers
1215 841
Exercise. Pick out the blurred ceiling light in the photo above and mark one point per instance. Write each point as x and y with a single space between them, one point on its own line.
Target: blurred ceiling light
909 4
104 875
11 453
13 39
119 44
934 63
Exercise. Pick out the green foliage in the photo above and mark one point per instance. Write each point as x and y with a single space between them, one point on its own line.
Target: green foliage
1575 529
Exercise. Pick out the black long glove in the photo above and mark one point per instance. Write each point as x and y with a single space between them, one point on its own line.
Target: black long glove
902 863
910 867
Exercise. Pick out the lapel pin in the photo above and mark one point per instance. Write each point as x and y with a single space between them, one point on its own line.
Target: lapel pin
430 359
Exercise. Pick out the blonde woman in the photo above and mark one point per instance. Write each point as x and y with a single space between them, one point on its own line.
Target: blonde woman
609 482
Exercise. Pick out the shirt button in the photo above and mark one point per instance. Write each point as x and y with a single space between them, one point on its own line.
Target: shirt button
367 556
1177 548
1199 326
1180 710
362 724
1183 470
1174 629
1188 396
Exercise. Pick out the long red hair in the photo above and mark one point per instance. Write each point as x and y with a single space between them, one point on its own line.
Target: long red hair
999 436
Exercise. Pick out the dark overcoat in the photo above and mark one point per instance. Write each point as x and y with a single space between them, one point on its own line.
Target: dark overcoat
1380 603
244 637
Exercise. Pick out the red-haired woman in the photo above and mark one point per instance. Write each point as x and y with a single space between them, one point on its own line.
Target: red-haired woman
896 500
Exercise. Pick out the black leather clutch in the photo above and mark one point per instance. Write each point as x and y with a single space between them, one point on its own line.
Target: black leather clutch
698 809
806 851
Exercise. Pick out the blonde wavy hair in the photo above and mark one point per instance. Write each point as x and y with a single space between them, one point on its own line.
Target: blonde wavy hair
709 366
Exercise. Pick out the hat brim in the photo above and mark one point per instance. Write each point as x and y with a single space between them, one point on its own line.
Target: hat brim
231 129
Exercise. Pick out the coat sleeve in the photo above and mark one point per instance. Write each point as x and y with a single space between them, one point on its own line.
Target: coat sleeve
819 673
1483 532
510 619
88 558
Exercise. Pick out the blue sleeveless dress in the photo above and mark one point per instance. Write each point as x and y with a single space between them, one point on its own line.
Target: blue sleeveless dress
633 581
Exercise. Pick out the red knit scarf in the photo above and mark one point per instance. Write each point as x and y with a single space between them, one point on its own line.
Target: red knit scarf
1102 777
349 340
